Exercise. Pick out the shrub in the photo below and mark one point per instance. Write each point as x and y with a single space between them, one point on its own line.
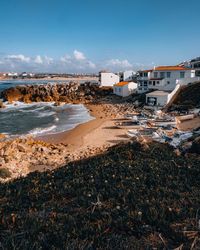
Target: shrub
4 173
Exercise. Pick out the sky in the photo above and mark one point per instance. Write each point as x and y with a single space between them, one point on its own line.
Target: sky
85 36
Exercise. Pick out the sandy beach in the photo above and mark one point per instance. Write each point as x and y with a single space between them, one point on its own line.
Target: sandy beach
96 134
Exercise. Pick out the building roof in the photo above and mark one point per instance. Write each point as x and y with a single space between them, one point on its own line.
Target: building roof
146 70
104 71
121 83
163 68
157 92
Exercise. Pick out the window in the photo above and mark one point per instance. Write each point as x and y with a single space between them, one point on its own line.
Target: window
145 83
119 90
145 74
158 82
155 74
154 83
168 74
150 82
140 88
182 74
141 75
162 74
168 82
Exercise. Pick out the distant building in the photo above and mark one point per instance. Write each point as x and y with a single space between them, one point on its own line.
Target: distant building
164 78
124 88
194 64
128 75
107 78
10 74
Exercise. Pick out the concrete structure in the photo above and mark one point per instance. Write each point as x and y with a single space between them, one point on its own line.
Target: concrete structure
164 78
124 88
107 79
160 98
157 98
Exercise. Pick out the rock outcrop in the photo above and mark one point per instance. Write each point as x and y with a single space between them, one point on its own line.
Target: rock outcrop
58 92
18 156
1 105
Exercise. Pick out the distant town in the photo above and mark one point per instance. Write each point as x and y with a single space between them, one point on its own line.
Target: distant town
30 75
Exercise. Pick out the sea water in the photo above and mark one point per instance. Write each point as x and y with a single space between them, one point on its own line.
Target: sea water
39 118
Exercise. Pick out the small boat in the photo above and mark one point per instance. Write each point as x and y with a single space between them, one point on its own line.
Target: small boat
128 124
164 124
132 133
184 118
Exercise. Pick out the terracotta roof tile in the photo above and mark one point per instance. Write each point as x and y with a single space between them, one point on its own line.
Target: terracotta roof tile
163 68
121 83
146 70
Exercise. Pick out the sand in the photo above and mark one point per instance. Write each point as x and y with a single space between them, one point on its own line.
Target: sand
98 133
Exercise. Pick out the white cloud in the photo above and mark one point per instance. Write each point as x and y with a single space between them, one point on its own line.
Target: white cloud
78 55
118 63
65 58
48 60
75 63
38 59
18 57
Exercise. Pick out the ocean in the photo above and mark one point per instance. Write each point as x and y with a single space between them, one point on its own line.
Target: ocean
19 119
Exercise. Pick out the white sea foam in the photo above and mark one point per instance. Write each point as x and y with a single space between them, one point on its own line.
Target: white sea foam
39 131
46 113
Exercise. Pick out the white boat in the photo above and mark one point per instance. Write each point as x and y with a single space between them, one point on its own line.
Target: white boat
132 133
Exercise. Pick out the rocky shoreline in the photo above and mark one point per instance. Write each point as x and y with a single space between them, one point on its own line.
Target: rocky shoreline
19 157
54 92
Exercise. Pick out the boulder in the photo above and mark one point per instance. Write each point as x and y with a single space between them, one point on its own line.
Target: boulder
1 105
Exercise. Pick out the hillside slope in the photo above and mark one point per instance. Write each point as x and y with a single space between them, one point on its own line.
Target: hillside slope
189 97
130 197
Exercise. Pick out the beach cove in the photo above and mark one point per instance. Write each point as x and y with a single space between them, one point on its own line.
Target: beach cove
23 155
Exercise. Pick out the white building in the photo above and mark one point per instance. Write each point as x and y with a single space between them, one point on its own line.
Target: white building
161 98
10 74
157 98
107 78
124 88
194 64
128 75
164 78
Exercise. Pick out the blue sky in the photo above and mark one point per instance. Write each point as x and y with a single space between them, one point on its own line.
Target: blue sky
86 36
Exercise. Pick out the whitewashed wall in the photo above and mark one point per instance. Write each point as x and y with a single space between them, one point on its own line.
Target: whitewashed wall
108 79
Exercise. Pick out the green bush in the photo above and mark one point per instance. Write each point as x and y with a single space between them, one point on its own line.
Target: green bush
4 173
